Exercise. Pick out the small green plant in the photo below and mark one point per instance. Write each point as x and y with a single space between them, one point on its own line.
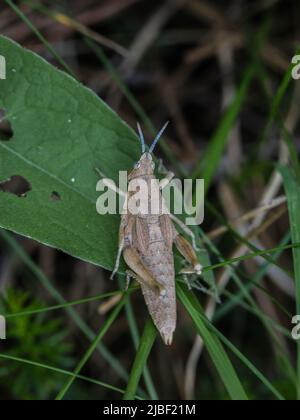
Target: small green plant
36 337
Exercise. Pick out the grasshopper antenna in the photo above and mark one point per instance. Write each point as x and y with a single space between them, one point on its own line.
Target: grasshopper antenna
158 137
141 138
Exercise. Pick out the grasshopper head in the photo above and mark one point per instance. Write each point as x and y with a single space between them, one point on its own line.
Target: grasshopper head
145 166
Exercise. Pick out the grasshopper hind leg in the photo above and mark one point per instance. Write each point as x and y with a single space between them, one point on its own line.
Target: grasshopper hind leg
187 230
143 275
187 251
131 275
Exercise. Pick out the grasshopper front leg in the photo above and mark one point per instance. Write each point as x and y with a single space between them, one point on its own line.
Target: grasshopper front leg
117 265
122 244
166 180
110 184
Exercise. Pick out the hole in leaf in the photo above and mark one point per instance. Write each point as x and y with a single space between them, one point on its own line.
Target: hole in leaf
55 196
16 185
6 131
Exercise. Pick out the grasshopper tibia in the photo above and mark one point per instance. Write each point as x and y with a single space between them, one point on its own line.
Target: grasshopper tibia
186 249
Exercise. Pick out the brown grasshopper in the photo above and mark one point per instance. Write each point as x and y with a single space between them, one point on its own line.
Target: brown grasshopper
146 242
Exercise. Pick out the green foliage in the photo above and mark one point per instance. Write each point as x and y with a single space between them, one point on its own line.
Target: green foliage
61 132
32 337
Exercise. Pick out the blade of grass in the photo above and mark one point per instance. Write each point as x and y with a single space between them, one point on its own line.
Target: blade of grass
136 340
207 166
266 318
247 363
241 238
211 336
103 330
287 137
21 15
140 361
76 26
231 304
214 348
277 100
253 308
62 372
210 160
268 323
65 305
263 253
292 189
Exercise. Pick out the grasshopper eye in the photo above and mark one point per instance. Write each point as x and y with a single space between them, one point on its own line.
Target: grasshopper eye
137 165
153 166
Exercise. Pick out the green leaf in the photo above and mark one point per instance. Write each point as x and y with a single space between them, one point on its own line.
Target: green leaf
292 189
214 347
61 132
